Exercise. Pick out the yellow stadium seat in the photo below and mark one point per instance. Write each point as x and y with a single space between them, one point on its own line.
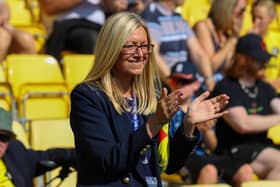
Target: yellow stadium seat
76 68
247 20
173 179
6 95
38 32
38 86
34 8
21 134
46 134
274 134
19 14
261 183
24 18
272 41
207 185
193 11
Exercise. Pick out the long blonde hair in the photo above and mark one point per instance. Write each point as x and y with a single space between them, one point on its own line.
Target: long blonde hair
221 13
111 38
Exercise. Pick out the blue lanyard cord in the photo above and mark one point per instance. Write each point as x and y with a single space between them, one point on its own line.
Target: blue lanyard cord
135 122
145 159
133 113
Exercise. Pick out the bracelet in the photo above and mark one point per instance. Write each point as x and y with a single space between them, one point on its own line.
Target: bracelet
189 138
209 78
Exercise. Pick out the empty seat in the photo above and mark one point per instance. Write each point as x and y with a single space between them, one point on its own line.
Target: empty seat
38 87
21 133
6 95
76 68
46 134
19 14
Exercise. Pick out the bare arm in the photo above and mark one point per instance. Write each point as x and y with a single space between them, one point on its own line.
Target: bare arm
275 105
52 7
4 13
164 69
210 139
243 123
217 58
201 60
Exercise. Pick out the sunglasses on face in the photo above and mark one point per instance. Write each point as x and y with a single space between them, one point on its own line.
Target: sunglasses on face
5 138
182 81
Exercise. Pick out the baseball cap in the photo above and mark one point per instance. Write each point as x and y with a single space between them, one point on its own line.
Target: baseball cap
6 132
253 46
186 72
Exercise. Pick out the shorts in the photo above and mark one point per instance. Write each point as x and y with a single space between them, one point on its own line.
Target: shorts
225 165
248 152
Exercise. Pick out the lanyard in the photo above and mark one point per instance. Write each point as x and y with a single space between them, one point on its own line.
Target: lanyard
133 113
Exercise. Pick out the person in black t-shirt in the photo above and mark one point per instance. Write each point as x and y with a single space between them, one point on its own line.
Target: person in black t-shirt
254 107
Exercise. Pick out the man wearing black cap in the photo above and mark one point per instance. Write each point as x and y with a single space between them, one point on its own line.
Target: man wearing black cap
253 108
204 167
18 165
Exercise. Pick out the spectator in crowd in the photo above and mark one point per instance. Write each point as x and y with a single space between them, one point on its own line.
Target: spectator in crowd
174 40
118 111
13 40
137 6
263 13
75 23
254 107
203 166
20 165
219 32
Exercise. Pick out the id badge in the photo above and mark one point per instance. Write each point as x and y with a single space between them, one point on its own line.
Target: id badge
151 181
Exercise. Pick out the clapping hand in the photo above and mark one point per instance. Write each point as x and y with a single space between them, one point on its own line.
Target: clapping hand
202 110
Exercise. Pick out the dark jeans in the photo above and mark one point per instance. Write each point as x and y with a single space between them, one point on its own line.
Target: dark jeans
76 35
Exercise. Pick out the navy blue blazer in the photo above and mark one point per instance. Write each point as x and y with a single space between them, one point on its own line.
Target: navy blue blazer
108 149
24 164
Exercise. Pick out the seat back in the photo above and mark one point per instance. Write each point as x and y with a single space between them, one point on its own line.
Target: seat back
6 94
46 134
21 133
207 185
20 15
261 183
76 67
38 86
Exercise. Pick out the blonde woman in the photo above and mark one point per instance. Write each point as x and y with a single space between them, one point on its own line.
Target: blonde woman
118 111
263 13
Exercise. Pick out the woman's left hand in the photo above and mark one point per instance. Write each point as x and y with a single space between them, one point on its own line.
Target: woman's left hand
202 110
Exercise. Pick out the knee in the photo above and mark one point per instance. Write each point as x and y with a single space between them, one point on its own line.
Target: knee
5 38
25 42
245 173
209 170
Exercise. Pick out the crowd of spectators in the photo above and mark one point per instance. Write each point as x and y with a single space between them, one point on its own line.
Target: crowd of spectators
212 55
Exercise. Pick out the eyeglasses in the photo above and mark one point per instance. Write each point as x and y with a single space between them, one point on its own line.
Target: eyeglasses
132 49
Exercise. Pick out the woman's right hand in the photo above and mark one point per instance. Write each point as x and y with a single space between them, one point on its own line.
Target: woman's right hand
168 105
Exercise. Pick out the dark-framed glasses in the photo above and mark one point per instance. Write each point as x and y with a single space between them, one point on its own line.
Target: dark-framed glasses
132 48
